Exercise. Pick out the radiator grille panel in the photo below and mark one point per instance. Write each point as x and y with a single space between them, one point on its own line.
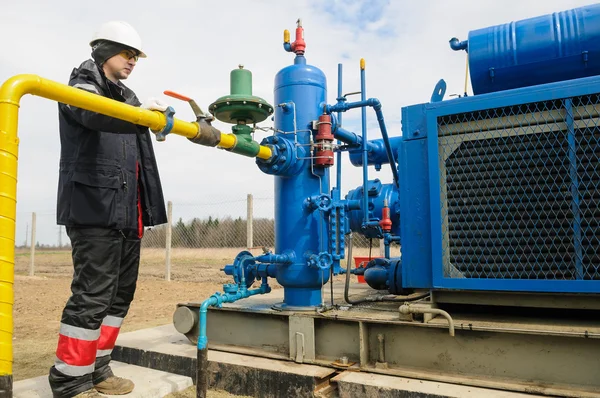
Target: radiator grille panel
520 188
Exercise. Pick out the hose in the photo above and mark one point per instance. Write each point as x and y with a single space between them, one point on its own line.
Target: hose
378 297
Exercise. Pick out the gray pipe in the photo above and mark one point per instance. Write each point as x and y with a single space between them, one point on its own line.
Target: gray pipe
408 309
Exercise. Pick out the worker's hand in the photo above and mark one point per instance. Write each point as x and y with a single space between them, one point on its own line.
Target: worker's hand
154 104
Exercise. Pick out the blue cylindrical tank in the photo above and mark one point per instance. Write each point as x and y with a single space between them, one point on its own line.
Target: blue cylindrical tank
300 228
550 48
377 194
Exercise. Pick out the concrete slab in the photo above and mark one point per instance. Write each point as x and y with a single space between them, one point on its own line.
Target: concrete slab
163 348
356 384
149 383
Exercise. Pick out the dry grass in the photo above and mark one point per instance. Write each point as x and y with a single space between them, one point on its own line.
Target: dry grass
189 265
39 300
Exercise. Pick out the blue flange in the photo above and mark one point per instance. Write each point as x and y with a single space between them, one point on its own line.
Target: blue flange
162 134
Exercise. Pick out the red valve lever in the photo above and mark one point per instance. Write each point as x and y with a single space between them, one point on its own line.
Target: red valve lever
177 95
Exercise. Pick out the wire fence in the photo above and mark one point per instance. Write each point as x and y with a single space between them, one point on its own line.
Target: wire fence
237 223
205 233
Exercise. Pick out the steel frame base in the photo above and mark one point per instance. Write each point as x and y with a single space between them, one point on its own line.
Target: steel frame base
550 356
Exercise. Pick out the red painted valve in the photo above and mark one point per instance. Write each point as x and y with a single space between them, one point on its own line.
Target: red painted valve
324 142
386 222
299 45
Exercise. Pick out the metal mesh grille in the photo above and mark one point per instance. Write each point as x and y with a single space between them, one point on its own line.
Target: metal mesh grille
519 189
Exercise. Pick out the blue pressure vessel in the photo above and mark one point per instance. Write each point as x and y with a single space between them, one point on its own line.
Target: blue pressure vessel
378 194
300 90
550 48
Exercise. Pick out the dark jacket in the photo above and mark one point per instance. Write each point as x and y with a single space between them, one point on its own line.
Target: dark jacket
97 180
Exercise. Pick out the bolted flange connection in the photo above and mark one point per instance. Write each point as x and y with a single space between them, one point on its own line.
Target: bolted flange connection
285 157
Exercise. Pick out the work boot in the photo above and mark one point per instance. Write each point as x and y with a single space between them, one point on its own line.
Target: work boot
92 393
115 386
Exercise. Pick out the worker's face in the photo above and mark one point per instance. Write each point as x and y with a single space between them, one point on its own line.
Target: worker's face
120 66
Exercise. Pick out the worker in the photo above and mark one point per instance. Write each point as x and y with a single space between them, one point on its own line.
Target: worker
108 190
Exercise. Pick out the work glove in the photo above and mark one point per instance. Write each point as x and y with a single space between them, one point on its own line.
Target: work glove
154 104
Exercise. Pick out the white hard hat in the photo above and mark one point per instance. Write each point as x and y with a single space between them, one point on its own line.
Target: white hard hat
119 32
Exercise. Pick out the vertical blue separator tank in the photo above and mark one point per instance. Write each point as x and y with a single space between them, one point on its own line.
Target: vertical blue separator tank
549 48
301 90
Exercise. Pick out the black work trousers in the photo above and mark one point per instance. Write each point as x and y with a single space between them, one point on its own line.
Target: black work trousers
106 265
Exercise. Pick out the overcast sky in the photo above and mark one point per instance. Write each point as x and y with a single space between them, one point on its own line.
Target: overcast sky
193 45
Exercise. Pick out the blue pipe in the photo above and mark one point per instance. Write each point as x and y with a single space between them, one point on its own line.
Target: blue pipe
363 96
217 299
266 270
350 138
202 337
376 105
377 152
274 258
377 276
338 244
352 205
458 45
387 240
386 140
339 123
346 106
347 137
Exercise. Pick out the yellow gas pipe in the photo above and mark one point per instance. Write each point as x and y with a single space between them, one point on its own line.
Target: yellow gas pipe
10 95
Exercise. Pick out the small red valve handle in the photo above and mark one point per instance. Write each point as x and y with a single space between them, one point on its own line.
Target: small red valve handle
197 111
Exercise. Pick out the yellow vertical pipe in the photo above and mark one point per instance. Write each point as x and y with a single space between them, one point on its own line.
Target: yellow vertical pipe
8 205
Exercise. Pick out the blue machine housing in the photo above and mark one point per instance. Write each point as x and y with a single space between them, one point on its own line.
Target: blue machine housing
544 49
500 191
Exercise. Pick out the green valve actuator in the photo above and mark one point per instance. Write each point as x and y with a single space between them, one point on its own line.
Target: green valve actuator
241 108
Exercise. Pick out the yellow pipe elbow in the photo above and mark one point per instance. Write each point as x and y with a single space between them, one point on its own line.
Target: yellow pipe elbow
11 93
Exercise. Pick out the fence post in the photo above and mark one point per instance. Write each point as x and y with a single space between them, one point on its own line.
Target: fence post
32 246
168 240
249 222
